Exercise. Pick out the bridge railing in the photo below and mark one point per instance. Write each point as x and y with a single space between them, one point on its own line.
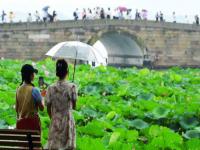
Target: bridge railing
97 23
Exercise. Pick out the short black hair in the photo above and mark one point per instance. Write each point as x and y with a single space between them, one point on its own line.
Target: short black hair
61 68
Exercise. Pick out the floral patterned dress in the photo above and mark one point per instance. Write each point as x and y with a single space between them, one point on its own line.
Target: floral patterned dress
62 134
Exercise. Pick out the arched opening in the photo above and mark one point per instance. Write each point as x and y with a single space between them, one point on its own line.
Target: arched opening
119 49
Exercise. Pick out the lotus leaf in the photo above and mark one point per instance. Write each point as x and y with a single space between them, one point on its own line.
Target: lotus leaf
111 115
192 134
138 124
114 138
193 144
160 112
188 122
115 103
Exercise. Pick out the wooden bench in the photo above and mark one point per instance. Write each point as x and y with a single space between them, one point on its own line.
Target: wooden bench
14 139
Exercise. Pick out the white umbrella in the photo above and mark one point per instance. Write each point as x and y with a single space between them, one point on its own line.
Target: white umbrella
45 8
75 50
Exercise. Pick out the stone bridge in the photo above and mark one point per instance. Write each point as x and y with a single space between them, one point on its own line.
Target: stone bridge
127 42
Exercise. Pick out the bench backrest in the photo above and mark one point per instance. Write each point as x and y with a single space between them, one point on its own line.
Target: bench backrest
19 139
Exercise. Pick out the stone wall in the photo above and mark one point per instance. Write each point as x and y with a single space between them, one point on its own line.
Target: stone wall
171 44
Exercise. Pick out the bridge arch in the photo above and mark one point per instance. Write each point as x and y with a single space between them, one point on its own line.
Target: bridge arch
122 48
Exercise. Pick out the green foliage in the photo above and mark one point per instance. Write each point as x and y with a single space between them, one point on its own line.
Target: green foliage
88 143
193 144
163 138
119 109
114 138
189 122
138 124
192 134
111 115
160 112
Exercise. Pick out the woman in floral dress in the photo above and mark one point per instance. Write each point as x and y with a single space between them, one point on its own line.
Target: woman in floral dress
61 99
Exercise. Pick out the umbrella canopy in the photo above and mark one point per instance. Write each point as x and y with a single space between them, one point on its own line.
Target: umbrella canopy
45 8
74 50
144 10
121 8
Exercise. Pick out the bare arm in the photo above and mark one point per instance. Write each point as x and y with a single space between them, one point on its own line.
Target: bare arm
41 105
49 110
48 101
74 97
39 100
16 106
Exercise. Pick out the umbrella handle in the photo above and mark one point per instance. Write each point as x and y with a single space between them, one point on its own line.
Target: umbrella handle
74 67
74 70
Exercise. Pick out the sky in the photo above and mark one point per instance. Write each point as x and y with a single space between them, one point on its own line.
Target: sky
65 8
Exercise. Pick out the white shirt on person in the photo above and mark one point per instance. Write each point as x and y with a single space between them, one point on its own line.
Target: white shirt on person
45 14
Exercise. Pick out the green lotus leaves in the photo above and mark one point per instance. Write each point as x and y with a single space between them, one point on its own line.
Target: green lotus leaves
89 112
4 106
131 135
160 112
163 138
188 122
3 124
91 89
163 91
139 124
114 137
119 109
90 143
78 115
192 134
175 77
94 128
111 115
197 128
193 144
145 96
144 72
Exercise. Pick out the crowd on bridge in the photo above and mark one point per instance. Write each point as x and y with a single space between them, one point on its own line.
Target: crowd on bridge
122 13
93 14
45 17
118 13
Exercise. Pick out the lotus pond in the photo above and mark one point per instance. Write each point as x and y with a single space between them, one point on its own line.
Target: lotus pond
120 109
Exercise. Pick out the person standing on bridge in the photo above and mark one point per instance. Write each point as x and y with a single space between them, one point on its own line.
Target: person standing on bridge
76 14
186 19
102 14
157 17
11 16
84 15
54 16
89 14
29 18
108 16
161 17
115 14
174 17
37 16
3 18
45 16
197 19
